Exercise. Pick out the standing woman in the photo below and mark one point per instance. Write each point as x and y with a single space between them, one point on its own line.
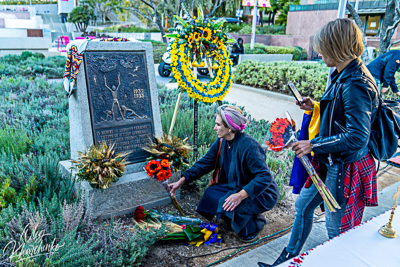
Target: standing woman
244 188
347 110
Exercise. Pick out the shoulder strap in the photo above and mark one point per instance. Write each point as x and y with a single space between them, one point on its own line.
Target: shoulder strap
218 154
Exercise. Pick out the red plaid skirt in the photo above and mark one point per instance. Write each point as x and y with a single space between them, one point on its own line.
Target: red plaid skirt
359 188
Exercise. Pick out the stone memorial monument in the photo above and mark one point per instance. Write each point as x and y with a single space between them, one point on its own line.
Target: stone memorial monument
116 101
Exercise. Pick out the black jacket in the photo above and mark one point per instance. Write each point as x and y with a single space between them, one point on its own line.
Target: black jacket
384 67
238 49
346 122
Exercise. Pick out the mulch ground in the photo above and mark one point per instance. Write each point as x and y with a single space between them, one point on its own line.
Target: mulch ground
173 253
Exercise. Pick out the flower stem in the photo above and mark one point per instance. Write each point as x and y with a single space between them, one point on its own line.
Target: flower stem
176 203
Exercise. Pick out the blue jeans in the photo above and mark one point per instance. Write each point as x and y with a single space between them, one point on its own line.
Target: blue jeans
308 200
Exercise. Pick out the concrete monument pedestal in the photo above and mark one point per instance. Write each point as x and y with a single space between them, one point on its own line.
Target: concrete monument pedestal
132 190
116 102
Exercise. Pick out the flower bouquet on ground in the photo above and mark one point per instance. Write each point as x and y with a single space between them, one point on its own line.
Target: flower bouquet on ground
173 149
100 166
281 134
175 219
160 170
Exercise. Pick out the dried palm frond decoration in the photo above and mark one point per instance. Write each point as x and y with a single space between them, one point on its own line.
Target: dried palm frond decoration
100 166
175 150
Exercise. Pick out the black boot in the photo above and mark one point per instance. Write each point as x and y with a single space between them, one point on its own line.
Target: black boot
285 255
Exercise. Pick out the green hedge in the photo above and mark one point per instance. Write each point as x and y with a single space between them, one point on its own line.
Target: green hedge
298 52
309 78
247 29
30 64
27 2
126 28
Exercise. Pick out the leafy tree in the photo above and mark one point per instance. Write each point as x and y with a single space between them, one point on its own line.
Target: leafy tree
280 7
103 7
81 16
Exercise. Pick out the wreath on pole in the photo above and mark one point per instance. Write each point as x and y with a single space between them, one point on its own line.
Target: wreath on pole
201 42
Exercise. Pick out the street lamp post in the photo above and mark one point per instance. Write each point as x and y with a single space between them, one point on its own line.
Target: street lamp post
253 30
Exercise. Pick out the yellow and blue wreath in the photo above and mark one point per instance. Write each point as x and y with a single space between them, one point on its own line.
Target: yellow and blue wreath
197 40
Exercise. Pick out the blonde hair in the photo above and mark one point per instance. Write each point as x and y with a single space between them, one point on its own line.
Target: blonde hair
340 40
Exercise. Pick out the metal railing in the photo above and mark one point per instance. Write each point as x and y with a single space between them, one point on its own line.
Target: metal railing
333 4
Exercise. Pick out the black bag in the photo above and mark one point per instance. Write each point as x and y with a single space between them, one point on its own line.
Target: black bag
385 131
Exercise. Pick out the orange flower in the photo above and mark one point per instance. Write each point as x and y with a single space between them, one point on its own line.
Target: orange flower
165 163
168 174
161 176
152 167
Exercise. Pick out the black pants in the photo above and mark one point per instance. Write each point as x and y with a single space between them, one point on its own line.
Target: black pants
209 204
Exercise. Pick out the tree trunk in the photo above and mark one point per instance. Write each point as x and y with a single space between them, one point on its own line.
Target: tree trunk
261 19
358 21
389 21
269 18
273 17
159 24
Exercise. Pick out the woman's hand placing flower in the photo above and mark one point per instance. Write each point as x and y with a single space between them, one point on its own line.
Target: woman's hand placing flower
175 186
234 200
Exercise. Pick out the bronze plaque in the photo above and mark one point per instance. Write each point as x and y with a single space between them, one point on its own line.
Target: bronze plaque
119 101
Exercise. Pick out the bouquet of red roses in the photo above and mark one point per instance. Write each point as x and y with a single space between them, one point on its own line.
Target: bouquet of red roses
161 171
281 134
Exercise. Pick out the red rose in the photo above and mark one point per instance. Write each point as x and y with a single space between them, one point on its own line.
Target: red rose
139 214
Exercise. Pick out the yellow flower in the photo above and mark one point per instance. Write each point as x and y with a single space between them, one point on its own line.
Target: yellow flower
208 24
196 21
195 64
191 39
197 36
202 64
215 66
186 36
207 34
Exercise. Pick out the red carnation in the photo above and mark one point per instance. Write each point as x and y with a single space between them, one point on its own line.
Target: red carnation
139 214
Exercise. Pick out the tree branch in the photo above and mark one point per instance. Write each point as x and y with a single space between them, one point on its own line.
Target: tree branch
355 16
396 22
141 13
147 4
215 7
358 21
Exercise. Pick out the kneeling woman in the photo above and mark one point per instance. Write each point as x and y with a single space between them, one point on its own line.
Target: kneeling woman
244 187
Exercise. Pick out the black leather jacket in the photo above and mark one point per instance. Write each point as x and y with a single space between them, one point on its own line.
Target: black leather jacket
346 121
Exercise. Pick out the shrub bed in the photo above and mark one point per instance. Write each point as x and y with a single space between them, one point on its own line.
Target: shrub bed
309 78
244 28
298 52
32 64
126 28
36 201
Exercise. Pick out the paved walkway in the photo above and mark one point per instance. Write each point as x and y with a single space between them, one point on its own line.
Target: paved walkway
270 251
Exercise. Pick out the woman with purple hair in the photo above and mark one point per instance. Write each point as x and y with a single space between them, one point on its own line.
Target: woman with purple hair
244 187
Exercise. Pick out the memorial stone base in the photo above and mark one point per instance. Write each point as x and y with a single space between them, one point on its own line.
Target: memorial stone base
132 190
